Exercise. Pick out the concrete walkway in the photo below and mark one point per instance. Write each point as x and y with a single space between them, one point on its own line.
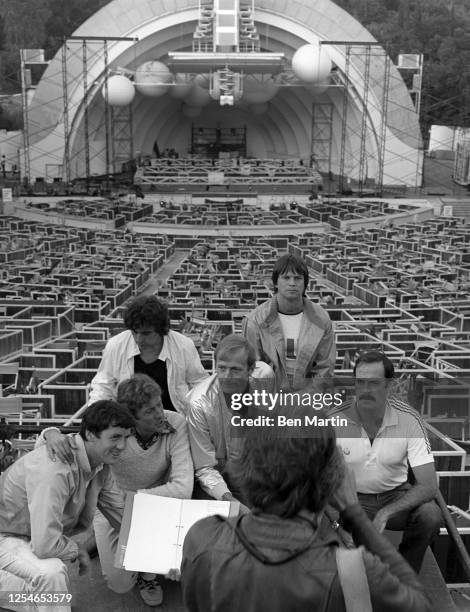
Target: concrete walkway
165 272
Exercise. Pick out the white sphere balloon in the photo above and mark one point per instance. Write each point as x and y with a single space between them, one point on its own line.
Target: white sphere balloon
311 63
181 88
198 96
258 89
191 111
121 91
150 79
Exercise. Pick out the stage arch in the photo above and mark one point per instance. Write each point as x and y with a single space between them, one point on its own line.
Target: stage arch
284 130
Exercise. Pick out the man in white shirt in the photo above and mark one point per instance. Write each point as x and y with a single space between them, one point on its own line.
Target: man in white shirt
384 437
149 346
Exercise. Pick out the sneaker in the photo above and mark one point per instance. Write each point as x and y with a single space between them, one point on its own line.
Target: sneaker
150 591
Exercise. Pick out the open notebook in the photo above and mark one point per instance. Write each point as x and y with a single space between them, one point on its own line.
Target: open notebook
154 529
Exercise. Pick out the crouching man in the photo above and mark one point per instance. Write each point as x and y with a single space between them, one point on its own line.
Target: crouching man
43 503
213 446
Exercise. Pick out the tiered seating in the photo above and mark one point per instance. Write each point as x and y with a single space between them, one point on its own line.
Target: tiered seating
403 289
117 211
231 213
194 170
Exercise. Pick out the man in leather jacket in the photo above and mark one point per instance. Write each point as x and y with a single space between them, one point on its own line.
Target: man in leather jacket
282 555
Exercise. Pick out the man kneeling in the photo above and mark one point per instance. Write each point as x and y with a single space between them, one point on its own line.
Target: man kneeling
44 502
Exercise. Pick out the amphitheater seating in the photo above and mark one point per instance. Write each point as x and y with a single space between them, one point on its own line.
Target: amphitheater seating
402 289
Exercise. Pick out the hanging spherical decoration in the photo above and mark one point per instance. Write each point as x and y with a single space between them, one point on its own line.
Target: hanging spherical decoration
198 96
181 87
311 63
151 78
258 89
120 92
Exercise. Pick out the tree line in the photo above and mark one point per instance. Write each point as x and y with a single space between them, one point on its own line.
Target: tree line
439 29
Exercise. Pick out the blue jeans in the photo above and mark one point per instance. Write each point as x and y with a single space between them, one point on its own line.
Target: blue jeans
420 525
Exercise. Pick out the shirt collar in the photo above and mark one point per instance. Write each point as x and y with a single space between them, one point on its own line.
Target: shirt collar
164 353
82 456
390 418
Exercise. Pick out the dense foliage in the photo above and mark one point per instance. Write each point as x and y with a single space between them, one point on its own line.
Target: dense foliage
440 29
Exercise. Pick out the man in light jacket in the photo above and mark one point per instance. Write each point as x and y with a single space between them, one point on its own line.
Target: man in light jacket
292 334
43 503
149 346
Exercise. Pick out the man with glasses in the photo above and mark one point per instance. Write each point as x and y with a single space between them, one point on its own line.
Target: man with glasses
385 436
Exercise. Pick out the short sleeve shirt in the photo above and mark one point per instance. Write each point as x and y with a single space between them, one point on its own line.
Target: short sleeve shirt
383 464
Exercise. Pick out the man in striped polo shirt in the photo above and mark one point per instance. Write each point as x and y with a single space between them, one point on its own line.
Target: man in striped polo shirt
384 438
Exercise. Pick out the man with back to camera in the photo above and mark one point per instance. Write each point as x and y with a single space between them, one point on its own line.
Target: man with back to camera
149 346
385 435
291 333
283 556
44 502
213 447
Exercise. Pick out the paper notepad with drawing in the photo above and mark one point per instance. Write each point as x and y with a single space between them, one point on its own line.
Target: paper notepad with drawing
158 528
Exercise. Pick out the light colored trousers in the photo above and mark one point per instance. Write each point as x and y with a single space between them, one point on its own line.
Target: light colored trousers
118 580
22 571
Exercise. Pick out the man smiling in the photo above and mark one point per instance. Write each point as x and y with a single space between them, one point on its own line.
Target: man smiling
157 460
43 503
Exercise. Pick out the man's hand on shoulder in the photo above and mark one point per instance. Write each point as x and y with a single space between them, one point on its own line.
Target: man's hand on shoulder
59 446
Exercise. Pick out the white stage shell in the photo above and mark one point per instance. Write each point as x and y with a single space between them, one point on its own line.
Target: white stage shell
284 130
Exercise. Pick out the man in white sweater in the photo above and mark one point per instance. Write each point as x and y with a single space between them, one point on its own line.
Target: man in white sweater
157 460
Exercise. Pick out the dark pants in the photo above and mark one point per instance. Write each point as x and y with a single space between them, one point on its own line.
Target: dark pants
420 525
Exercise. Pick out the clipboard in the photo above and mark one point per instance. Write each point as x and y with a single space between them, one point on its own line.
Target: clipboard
119 561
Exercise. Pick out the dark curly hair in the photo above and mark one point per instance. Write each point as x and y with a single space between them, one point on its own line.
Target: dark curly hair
282 475
104 414
289 263
147 310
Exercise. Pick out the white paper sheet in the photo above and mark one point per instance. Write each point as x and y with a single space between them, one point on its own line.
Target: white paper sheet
158 528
